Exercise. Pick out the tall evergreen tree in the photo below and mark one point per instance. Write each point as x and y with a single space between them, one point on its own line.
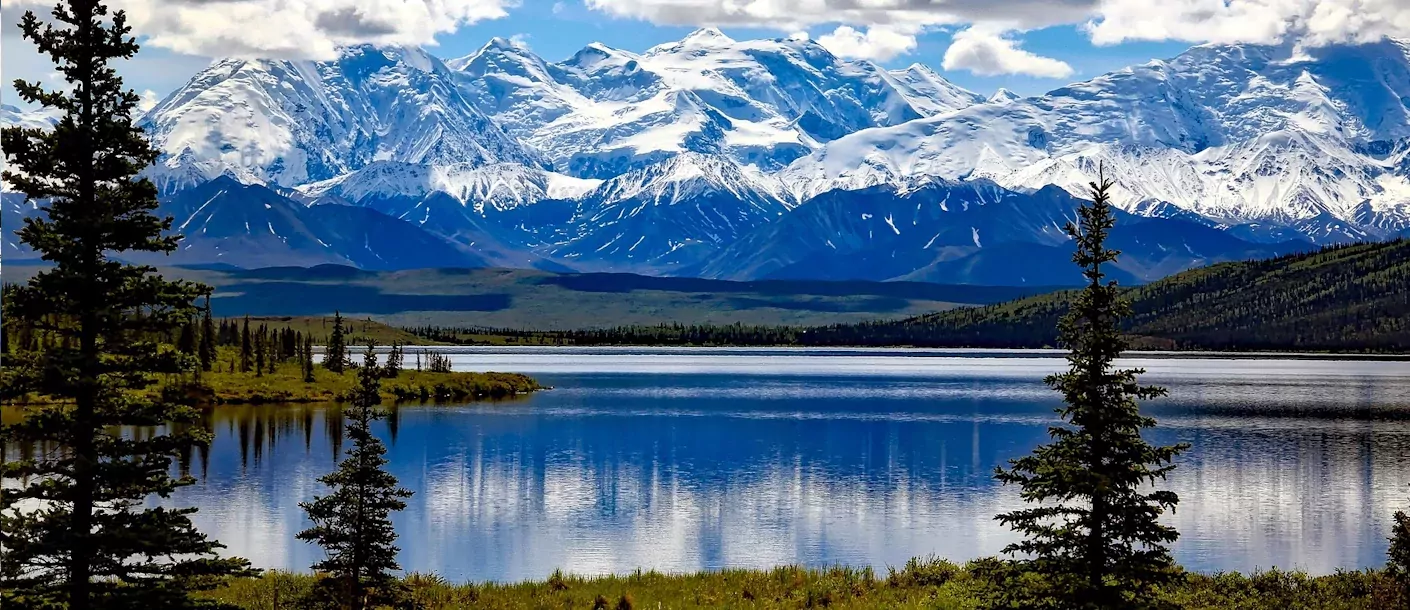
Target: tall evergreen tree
394 361
259 350
308 359
74 524
335 356
246 349
353 523
186 342
208 340
1095 537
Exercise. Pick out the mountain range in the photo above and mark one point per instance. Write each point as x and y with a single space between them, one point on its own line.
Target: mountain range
772 159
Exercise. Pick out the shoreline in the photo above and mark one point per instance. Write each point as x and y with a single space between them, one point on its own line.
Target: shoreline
928 582
1023 352
285 386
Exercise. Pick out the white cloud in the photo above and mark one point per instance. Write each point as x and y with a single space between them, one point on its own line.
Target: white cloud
793 14
878 43
558 7
1308 22
989 53
149 100
311 29
520 40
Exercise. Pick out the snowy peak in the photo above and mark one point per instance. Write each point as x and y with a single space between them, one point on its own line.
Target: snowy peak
605 111
13 116
1234 133
294 122
1003 96
707 37
932 93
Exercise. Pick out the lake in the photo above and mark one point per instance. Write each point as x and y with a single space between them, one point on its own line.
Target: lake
690 459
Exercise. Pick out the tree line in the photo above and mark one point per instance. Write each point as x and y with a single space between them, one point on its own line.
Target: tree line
1349 297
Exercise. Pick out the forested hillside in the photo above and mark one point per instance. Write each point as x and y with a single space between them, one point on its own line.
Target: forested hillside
1340 298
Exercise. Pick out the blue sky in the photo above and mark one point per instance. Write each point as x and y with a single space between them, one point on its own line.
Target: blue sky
557 36
1028 46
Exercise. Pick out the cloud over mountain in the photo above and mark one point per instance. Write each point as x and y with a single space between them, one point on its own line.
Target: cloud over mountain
303 29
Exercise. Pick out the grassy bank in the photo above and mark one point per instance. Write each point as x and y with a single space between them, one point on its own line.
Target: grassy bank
930 584
287 385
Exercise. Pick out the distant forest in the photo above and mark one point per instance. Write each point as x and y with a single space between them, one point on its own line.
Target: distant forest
1349 298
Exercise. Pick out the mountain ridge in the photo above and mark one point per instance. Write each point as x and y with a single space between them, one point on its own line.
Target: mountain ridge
727 158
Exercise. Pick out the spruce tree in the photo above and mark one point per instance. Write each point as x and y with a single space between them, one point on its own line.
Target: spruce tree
308 359
259 350
1398 556
246 350
394 361
353 523
1094 536
335 356
186 342
75 525
208 340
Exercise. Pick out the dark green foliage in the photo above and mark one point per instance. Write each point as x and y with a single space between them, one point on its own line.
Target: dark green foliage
353 523
208 339
259 353
84 537
436 362
1094 537
246 348
394 361
1398 556
1344 298
335 356
307 359
186 341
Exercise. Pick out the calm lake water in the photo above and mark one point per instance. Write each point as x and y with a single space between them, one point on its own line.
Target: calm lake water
681 460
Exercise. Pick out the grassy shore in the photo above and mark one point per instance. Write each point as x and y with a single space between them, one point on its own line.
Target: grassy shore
287 385
928 584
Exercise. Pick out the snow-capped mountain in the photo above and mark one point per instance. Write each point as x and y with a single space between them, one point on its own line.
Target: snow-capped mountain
775 158
605 111
28 119
939 230
294 122
675 212
1235 133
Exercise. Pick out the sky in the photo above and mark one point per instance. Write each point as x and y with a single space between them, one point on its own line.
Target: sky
1027 46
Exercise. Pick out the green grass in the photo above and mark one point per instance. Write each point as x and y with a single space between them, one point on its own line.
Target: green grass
933 584
287 385
222 386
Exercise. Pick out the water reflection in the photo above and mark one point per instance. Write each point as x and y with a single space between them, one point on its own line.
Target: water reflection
693 464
